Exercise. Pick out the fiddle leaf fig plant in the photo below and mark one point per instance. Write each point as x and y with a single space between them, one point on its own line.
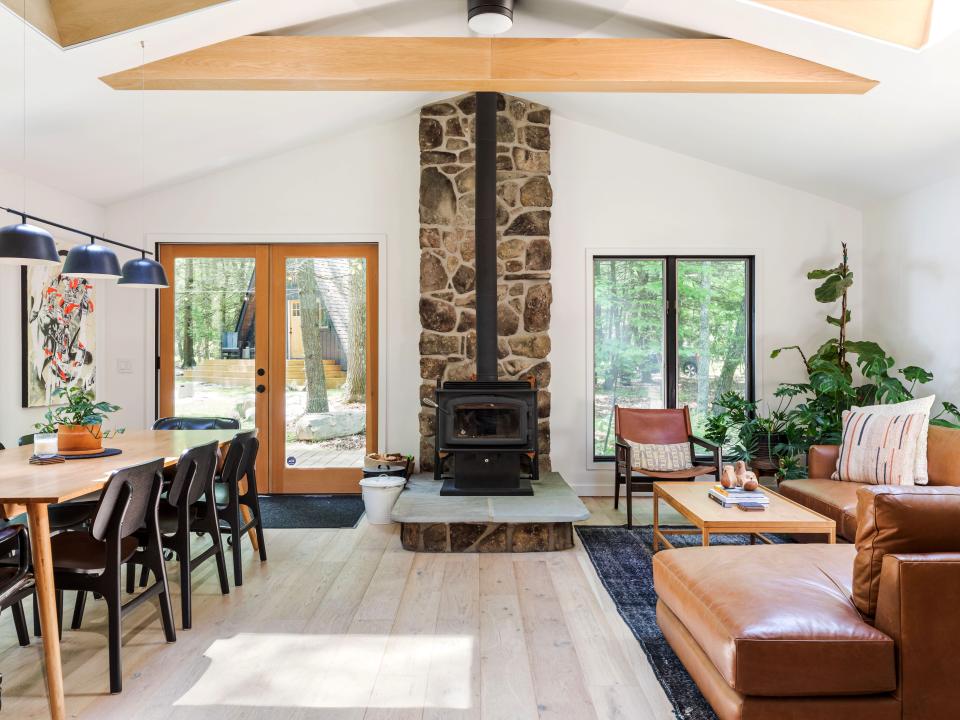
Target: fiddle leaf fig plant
830 388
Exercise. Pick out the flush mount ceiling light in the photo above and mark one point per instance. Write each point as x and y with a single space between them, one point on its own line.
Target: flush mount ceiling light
490 17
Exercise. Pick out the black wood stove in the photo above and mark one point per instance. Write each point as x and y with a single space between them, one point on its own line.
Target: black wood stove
486 439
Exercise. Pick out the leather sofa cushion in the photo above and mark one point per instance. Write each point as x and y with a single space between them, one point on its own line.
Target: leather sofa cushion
822 460
943 455
832 498
777 621
728 704
900 519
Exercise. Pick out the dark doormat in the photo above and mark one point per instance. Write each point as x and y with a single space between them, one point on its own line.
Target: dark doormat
310 511
624 562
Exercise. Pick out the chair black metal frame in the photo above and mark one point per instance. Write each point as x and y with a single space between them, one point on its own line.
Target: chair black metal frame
129 503
240 463
19 585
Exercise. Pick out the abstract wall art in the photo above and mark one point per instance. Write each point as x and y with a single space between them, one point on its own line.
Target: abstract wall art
59 334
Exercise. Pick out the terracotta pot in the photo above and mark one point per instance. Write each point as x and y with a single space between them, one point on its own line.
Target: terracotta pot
79 438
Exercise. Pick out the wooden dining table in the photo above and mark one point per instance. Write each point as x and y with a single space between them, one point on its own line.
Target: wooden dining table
37 486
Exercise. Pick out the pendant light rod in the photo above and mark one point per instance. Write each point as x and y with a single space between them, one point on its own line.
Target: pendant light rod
91 236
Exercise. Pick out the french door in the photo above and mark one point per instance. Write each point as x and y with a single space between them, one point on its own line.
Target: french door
282 338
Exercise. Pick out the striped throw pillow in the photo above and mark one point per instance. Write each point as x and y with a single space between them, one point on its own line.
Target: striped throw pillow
879 449
660 458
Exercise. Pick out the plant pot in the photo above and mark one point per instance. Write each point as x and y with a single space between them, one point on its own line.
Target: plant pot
79 439
766 445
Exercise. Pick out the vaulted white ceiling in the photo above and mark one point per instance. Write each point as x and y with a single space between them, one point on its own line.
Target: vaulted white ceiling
86 139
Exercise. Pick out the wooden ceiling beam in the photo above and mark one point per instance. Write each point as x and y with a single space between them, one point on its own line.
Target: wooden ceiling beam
477 64
904 22
39 14
71 22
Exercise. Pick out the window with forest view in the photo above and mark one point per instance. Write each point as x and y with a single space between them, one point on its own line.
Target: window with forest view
668 332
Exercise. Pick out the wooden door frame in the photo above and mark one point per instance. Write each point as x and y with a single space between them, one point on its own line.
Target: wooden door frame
335 480
167 253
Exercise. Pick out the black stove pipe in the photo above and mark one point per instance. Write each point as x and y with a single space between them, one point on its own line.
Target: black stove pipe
486 236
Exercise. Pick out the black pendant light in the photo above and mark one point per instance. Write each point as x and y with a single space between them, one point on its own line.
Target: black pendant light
24 244
93 262
142 272
490 17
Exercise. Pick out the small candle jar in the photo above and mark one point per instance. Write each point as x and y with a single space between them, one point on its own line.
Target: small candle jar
45 444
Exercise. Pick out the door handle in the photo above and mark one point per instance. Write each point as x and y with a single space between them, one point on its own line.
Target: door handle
261 388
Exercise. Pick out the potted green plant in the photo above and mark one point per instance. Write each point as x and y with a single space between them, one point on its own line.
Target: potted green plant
79 422
746 433
831 386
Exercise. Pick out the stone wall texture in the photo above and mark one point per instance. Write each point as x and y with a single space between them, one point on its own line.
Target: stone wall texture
447 244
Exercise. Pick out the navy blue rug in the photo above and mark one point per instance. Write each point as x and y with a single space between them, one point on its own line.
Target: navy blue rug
310 511
623 561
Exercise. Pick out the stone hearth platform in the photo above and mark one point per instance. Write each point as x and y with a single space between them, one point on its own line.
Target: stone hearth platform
541 523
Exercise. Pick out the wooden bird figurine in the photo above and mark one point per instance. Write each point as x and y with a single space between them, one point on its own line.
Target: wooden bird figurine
728 478
740 468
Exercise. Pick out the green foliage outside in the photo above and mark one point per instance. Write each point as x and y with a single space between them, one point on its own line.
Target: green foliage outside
209 293
629 335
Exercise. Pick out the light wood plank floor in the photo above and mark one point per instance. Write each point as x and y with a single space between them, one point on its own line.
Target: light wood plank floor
346 625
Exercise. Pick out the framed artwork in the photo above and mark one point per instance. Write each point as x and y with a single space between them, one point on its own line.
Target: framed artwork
59 334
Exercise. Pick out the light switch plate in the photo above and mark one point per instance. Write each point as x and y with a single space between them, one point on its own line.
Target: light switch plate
125 366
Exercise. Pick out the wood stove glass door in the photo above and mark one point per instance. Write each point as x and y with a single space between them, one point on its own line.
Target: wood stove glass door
324 351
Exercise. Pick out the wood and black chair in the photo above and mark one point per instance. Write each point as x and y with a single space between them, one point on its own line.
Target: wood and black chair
655 427
240 464
179 518
196 423
91 560
16 580
69 515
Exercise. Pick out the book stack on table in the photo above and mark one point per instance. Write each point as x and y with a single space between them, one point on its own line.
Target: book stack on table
729 497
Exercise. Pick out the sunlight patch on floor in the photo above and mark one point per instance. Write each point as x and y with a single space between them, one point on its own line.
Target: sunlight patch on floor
332 671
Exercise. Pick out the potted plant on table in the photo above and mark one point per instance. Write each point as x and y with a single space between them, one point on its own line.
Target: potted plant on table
78 423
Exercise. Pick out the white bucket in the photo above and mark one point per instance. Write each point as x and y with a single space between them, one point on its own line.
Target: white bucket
379 495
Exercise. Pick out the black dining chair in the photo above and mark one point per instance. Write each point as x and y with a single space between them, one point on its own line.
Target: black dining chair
179 518
239 464
69 515
91 560
196 423
16 580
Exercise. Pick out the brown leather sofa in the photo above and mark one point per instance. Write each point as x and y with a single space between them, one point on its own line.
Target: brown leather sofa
826 632
838 500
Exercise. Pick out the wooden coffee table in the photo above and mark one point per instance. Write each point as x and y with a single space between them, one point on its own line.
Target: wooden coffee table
690 500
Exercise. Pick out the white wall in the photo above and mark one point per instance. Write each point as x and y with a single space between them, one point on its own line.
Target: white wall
45 202
617 195
360 185
610 193
911 297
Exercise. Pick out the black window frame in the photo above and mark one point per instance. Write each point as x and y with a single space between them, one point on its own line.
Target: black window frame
671 364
